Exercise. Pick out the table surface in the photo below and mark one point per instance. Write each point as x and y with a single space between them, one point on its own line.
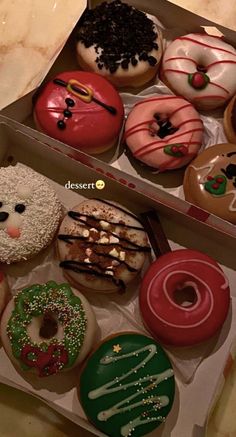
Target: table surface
28 415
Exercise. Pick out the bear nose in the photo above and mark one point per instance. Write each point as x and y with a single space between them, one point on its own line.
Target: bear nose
3 216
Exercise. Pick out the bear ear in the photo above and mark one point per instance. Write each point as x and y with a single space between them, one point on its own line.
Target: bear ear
24 191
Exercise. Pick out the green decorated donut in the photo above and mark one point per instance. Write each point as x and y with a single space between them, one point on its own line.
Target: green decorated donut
48 328
127 387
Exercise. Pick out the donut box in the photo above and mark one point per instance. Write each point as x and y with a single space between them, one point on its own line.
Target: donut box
195 369
165 188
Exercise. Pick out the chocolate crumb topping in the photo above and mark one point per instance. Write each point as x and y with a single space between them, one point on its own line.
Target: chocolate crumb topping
122 35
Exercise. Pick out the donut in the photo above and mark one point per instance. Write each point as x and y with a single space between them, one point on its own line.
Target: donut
230 121
119 42
81 109
4 292
101 246
30 213
164 132
127 387
210 181
201 68
184 298
47 329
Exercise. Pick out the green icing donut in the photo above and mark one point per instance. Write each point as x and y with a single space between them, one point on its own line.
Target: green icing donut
127 387
51 356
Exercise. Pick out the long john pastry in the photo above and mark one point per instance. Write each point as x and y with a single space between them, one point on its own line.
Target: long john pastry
201 68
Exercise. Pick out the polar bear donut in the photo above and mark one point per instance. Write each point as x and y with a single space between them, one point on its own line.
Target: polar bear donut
30 213
201 68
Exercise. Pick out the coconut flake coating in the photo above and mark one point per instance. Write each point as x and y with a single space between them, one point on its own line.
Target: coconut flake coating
30 213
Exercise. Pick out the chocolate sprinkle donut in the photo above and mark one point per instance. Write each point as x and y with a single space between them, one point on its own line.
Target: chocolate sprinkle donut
121 35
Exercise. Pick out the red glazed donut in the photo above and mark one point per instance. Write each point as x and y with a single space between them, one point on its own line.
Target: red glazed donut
198 275
70 108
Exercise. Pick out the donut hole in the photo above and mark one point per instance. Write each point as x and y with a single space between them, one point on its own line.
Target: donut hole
185 296
201 68
161 126
49 326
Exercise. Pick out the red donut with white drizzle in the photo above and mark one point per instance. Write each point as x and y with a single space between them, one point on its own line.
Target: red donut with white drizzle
184 297
164 132
201 68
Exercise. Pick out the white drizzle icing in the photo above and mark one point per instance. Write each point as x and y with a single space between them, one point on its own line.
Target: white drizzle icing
203 180
224 286
154 380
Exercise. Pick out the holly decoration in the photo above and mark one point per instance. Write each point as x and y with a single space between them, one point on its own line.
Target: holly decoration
46 362
176 150
216 185
198 80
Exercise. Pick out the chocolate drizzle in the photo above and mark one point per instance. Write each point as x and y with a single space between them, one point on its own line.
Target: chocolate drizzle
124 34
75 266
99 240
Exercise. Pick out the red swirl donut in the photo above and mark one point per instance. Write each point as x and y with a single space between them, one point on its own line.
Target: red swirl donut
193 273
81 109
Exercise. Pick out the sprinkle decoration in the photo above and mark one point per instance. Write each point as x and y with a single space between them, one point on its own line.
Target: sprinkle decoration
51 356
117 348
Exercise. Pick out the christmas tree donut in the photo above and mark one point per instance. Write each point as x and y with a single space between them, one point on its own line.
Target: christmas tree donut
127 386
47 328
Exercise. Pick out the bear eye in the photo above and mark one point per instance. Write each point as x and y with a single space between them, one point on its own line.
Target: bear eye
20 208
0 204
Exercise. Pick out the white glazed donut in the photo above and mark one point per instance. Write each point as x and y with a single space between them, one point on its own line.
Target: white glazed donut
201 68
4 292
49 328
30 213
119 42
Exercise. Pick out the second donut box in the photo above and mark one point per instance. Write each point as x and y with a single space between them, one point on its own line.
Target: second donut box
166 188
17 145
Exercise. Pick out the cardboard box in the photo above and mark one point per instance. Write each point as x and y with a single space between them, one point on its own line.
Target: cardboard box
18 145
121 170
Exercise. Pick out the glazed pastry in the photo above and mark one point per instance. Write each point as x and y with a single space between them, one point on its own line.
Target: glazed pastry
102 247
119 42
184 298
127 386
4 292
30 213
164 132
46 329
210 181
201 68
230 121
80 109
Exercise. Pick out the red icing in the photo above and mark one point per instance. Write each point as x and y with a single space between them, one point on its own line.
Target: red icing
156 99
210 178
220 62
176 325
47 363
91 126
198 80
13 232
185 38
174 58
215 186
219 180
188 105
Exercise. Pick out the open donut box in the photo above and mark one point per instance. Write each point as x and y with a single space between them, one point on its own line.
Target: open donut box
185 226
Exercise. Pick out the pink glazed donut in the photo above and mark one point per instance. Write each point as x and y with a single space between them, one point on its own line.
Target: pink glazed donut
164 132
184 298
201 68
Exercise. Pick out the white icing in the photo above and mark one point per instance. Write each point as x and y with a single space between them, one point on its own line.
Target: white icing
203 180
207 288
24 191
112 387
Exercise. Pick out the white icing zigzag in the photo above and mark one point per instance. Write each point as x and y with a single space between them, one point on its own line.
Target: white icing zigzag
203 180
153 380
